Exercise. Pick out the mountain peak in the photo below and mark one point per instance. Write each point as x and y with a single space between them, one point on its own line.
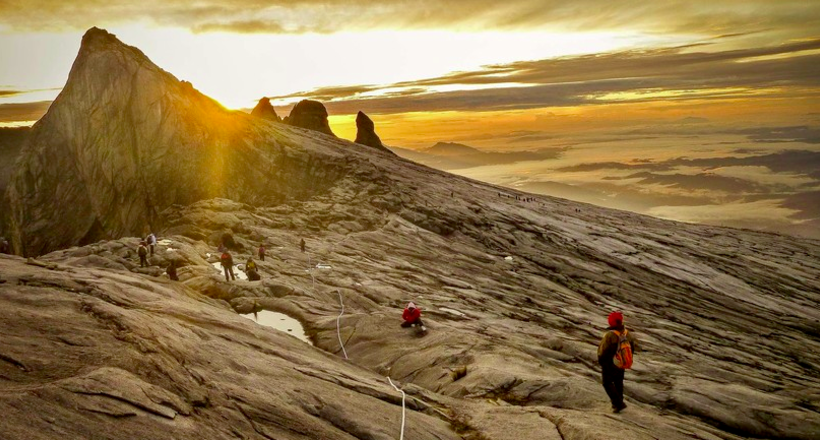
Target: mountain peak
97 40
451 149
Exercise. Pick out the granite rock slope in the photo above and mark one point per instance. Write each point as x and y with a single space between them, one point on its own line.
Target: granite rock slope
515 294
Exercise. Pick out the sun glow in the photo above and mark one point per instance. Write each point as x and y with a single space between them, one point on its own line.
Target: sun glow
238 69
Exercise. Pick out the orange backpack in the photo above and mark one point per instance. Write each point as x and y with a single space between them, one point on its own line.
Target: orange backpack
623 357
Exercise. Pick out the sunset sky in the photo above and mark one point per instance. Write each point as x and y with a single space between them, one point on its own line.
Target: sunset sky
599 81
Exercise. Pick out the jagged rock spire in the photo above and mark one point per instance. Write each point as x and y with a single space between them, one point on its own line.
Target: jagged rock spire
265 110
366 132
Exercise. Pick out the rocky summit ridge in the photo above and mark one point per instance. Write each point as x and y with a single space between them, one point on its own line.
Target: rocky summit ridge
514 287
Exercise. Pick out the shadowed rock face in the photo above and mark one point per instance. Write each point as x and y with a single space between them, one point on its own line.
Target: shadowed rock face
125 139
11 144
94 345
311 115
366 132
265 110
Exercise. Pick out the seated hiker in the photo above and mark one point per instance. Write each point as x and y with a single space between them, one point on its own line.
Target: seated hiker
252 270
615 357
262 252
253 275
142 251
227 263
412 317
172 271
250 265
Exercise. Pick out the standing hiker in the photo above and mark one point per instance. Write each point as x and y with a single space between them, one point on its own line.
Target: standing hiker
227 263
152 241
412 317
261 252
302 245
142 251
615 357
5 248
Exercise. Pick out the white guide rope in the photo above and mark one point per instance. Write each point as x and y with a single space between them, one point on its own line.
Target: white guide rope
401 436
338 332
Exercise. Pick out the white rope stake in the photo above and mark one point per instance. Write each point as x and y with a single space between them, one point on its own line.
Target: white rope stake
339 332
401 436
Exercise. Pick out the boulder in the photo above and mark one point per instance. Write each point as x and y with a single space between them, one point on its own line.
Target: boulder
311 115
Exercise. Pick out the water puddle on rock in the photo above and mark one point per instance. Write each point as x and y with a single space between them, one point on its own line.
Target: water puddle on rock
281 322
239 274
451 311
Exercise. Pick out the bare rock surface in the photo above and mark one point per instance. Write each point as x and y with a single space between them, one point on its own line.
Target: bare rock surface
265 110
515 295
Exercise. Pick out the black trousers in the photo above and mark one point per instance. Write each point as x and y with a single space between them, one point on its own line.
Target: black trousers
152 250
143 261
229 270
406 324
613 381
262 257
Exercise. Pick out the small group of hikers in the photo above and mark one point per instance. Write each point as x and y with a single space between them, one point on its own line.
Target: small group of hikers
614 352
146 246
251 269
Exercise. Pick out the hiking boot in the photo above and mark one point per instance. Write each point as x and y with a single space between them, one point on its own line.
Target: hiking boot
423 328
619 408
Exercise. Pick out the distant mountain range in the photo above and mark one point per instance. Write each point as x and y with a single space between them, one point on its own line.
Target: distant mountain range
454 156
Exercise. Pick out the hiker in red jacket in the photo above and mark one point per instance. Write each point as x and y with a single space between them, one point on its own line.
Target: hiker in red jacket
412 317
615 357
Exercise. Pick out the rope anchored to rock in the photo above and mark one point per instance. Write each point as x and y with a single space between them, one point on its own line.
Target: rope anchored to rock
403 396
338 331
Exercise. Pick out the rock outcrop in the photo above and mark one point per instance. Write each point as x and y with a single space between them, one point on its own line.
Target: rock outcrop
125 140
265 110
311 115
366 132
515 295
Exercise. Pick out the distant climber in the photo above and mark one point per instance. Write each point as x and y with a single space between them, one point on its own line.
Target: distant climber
412 317
151 239
252 270
302 245
227 263
142 251
615 357
172 271
5 247
261 252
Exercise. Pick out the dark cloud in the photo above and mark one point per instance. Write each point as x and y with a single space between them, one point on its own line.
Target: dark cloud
803 162
720 18
28 111
244 27
695 182
668 74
